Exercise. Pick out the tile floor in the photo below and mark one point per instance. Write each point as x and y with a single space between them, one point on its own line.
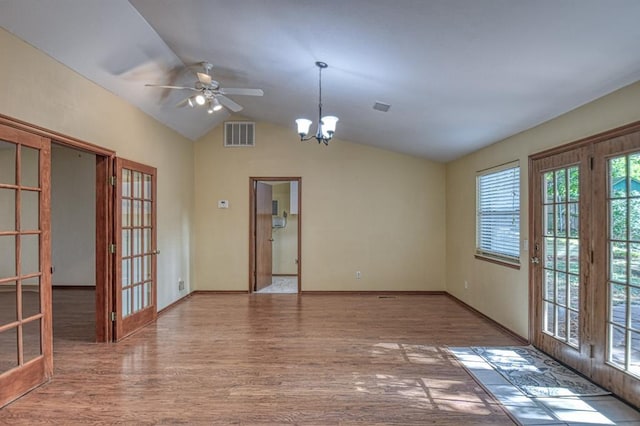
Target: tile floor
281 285
594 410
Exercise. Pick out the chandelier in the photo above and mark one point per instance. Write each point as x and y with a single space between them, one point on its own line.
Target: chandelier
326 124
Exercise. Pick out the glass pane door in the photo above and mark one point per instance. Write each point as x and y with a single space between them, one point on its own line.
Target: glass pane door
25 297
561 254
136 246
560 260
623 283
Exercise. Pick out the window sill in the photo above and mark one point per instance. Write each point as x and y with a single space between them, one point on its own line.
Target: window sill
498 262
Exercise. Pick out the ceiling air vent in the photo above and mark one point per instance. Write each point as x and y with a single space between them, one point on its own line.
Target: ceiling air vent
381 106
239 133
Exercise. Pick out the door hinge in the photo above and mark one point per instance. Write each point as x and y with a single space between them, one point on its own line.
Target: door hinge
591 256
112 248
591 163
591 350
112 180
113 316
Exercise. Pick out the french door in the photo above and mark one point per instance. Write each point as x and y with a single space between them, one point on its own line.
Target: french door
585 269
26 358
135 247
561 256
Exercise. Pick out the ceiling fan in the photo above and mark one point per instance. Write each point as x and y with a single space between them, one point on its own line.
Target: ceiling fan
210 93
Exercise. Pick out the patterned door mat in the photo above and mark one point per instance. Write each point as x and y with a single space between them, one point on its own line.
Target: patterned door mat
536 374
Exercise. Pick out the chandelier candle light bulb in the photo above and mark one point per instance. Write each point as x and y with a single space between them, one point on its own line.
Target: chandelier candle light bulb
326 124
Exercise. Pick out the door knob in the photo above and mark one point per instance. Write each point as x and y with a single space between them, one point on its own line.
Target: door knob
535 260
271 239
155 252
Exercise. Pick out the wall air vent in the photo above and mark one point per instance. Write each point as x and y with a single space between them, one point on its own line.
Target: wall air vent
239 133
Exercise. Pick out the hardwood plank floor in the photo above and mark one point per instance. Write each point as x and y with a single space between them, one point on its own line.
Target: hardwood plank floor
275 359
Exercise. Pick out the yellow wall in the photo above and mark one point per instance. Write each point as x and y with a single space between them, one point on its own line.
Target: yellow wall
363 209
499 292
41 91
285 240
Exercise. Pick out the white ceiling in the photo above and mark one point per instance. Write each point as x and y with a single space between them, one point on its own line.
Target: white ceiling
459 74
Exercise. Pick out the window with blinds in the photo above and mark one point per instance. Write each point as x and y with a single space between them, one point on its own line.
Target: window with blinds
498 214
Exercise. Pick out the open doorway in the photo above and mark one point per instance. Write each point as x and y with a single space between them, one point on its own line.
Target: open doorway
73 244
275 217
82 228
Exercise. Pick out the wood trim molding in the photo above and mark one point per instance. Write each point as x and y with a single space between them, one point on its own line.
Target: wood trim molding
491 320
497 262
55 136
73 287
599 137
252 207
214 292
375 292
531 249
104 261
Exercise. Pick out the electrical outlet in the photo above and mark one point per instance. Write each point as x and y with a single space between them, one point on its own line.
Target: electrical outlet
180 284
358 275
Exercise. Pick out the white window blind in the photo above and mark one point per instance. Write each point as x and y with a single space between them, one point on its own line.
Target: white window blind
498 214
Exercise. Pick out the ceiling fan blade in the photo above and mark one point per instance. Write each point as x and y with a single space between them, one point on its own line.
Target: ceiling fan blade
182 103
229 103
161 86
239 91
204 78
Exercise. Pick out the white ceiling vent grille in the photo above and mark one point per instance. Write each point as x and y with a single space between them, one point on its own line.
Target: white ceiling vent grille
239 133
381 106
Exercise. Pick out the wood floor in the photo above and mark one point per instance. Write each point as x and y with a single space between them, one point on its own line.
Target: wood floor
274 359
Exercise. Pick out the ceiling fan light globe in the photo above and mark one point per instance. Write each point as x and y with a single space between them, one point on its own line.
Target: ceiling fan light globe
191 102
216 105
200 99
303 126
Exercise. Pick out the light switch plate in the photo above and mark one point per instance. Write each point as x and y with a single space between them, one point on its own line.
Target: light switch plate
223 204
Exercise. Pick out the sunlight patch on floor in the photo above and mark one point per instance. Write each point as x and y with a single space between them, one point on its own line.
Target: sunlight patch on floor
429 393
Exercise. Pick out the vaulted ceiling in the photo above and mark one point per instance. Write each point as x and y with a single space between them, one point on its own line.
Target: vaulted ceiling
459 74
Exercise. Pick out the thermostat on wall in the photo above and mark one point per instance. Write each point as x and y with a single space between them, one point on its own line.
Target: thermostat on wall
223 204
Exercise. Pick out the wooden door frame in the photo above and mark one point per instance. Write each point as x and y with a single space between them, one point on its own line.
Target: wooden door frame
104 218
252 227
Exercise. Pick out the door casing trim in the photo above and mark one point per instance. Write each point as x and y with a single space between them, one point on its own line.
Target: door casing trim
252 227
104 217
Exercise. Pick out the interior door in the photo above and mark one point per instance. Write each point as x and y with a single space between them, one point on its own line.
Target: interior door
264 238
135 247
561 257
26 358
